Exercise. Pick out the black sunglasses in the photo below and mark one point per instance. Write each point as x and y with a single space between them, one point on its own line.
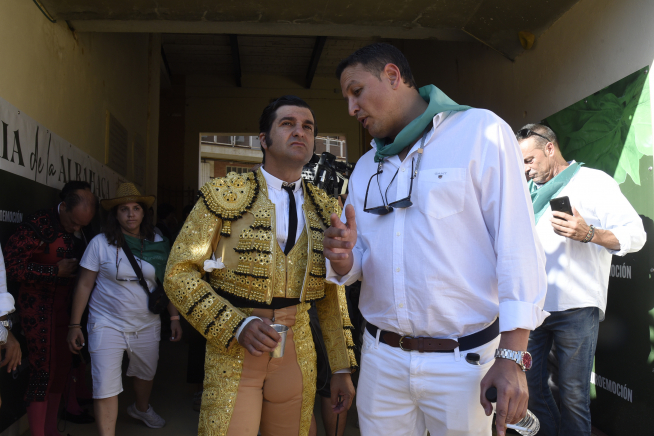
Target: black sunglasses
388 207
526 133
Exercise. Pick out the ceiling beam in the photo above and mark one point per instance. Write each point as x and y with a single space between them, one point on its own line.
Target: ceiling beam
236 59
275 29
315 59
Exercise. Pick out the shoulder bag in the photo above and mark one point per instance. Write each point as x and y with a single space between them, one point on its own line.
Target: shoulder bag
157 299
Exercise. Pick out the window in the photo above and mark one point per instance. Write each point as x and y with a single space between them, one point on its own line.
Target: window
237 170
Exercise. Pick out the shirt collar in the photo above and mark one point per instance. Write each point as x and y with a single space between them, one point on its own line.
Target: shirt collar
275 183
438 119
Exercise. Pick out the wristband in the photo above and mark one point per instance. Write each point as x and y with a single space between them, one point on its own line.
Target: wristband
589 235
74 326
174 318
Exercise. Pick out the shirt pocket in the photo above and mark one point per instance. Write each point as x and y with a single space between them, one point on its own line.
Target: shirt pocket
441 191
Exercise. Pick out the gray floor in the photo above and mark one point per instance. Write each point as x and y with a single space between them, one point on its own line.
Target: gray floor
171 398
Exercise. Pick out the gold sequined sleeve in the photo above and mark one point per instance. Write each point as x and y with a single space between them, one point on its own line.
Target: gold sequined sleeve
211 315
336 328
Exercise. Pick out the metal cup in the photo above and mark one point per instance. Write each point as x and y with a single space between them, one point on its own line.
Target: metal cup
279 350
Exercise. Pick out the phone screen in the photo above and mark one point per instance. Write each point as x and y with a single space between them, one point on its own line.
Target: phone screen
561 204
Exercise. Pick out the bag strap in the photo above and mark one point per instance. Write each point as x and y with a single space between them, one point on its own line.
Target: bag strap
136 268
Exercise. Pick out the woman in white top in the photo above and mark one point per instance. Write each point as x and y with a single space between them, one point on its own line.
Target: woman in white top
119 319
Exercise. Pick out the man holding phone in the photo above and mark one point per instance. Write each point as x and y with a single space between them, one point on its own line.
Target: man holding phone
578 243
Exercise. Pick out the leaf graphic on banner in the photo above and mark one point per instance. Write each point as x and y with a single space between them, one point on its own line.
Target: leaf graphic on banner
611 129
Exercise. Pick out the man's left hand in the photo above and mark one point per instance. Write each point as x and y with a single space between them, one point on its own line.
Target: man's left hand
512 393
571 226
341 386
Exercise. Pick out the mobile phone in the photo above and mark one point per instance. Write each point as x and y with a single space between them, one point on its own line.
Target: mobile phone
561 204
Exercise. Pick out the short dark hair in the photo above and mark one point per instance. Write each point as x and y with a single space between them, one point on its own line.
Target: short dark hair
270 112
541 129
114 233
69 195
374 58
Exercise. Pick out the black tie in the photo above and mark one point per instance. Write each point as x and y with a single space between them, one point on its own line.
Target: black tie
292 217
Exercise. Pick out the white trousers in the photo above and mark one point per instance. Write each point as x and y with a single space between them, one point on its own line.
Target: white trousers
404 393
107 347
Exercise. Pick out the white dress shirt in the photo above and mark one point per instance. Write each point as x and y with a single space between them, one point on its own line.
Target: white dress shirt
578 273
466 251
6 299
279 197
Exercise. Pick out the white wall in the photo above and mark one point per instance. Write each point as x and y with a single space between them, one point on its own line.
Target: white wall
596 43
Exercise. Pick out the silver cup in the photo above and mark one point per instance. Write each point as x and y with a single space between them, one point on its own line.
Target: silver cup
279 350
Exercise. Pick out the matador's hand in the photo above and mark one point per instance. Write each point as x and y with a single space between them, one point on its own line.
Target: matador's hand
571 226
258 337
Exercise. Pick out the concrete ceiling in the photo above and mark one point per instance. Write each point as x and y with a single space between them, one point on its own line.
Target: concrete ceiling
495 23
282 55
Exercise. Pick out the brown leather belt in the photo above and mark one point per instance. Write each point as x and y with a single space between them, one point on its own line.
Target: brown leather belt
435 345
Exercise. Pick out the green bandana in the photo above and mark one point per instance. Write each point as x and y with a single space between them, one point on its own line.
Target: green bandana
438 102
540 197
154 253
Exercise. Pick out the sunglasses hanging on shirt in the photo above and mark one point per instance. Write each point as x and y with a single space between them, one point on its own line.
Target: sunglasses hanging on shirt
402 203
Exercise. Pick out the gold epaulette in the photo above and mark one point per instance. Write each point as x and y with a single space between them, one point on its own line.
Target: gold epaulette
325 204
230 197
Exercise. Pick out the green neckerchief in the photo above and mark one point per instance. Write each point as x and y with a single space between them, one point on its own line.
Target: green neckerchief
438 102
154 253
540 197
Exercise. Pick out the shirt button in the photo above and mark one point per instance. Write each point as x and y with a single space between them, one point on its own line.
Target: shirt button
403 169
398 233
401 305
398 270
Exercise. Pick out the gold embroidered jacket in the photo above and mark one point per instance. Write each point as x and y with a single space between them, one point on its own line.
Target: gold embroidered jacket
235 219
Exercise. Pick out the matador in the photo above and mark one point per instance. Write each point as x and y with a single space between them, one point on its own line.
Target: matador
250 254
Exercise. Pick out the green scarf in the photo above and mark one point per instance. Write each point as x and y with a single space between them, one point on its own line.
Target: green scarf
438 102
154 253
540 197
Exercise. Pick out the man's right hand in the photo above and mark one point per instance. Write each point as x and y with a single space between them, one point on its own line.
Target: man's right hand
339 241
67 267
258 337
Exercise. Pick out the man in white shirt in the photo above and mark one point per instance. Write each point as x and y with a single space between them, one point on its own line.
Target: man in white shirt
439 228
258 236
578 249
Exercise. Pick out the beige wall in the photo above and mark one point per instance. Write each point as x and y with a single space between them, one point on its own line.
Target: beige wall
68 81
215 104
596 43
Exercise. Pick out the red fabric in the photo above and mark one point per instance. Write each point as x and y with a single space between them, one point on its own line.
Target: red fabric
31 257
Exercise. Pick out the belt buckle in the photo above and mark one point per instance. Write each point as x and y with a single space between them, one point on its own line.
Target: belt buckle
401 339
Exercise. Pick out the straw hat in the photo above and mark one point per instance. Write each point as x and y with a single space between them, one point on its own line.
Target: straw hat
127 193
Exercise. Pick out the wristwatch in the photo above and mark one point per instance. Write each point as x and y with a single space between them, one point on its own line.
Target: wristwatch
4 333
7 323
522 358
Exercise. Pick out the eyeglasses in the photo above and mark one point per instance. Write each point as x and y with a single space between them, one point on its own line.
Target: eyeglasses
118 260
526 133
404 202
388 207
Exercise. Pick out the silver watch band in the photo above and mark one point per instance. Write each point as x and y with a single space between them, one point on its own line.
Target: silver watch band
4 333
515 356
